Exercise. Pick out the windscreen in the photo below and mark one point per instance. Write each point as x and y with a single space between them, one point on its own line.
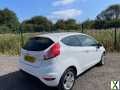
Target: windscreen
38 44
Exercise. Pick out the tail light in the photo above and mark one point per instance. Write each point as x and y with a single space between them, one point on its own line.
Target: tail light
54 51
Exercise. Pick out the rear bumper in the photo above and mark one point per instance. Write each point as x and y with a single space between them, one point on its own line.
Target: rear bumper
42 73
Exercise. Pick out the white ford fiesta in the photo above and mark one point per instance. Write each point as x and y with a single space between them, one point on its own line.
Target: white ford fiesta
56 59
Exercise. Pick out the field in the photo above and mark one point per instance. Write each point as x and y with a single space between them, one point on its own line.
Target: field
107 38
10 43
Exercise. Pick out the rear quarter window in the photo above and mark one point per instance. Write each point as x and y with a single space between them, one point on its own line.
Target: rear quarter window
37 44
71 41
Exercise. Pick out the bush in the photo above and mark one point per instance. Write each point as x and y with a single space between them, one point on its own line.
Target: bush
9 44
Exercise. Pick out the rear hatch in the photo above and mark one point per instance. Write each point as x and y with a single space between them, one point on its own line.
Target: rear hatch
33 51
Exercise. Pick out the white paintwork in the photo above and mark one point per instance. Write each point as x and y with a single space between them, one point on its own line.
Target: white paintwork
81 58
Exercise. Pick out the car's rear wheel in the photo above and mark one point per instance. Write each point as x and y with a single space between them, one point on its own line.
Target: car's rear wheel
68 79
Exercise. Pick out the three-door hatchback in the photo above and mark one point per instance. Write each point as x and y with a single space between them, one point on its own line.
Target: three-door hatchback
56 59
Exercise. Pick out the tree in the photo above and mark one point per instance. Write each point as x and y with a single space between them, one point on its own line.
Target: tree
109 18
69 24
112 12
36 24
4 29
8 20
60 24
88 24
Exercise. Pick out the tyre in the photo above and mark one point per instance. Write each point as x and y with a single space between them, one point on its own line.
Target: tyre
67 80
102 61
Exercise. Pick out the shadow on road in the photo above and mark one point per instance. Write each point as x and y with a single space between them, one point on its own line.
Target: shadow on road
17 81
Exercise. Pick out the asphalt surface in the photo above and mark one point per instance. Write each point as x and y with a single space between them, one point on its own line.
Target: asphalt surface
96 78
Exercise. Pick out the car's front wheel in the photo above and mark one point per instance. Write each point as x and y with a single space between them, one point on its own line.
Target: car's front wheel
102 61
68 79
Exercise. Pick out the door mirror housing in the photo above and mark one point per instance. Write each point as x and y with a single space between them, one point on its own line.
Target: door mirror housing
99 45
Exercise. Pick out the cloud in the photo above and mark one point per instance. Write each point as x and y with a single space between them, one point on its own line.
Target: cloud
65 14
63 2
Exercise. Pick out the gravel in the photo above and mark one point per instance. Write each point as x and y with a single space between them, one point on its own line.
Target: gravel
96 78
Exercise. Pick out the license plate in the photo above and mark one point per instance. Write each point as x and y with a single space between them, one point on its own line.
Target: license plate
29 58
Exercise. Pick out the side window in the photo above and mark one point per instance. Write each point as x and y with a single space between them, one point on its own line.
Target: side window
86 40
71 41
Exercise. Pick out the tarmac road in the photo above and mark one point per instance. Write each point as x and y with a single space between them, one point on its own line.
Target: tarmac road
96 78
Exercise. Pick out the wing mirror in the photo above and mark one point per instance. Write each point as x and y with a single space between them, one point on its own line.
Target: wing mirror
99 45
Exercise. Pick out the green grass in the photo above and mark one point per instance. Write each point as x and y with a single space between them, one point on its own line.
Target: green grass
107 38
10 43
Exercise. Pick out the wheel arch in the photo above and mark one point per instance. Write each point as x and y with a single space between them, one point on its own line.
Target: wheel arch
74 68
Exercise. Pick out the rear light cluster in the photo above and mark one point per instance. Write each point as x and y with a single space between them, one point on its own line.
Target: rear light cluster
54 51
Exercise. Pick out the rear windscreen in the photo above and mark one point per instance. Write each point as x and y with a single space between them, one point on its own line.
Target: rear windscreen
38 44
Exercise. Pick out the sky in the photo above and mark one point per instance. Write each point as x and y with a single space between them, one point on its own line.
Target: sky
80 10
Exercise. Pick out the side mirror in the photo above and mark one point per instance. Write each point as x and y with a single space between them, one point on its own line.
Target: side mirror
99 45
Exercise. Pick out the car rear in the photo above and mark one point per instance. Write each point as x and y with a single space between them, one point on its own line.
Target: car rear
37 58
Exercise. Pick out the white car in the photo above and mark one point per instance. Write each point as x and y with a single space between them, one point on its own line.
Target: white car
58 58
